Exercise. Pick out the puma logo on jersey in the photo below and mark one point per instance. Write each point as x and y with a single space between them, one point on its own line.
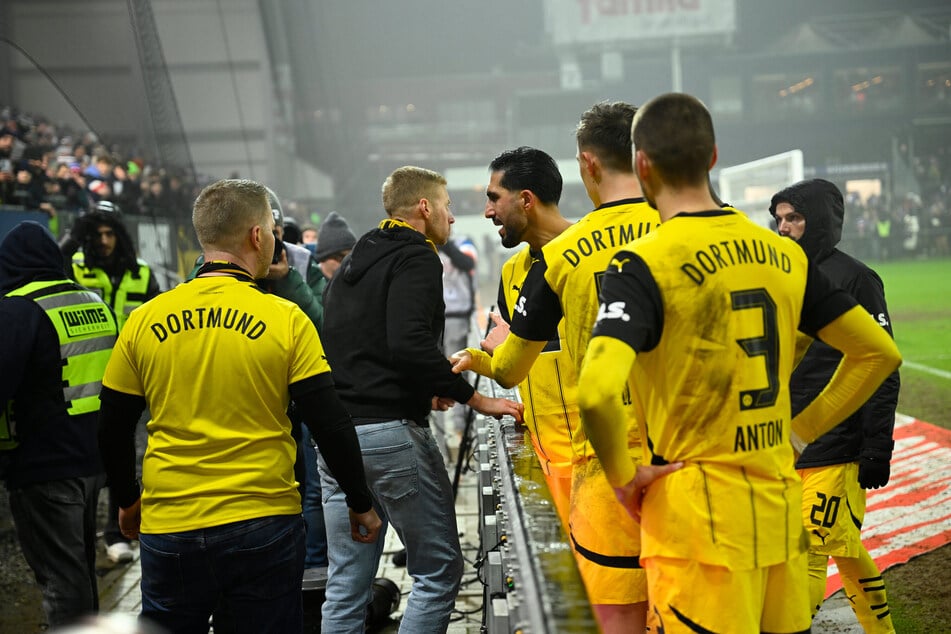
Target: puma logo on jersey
614 310
619 263
820 535
520 307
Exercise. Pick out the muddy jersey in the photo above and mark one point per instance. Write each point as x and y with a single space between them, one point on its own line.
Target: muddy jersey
711 303
565 282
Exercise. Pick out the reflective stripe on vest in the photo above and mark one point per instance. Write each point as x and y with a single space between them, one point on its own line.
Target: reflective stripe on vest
86 329
128 295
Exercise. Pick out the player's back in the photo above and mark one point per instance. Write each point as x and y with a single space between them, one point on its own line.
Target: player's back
577 258
715 387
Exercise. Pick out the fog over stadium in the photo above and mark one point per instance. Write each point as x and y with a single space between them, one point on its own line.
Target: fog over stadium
321 100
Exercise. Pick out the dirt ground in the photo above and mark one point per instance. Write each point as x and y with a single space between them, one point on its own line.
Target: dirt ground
919 591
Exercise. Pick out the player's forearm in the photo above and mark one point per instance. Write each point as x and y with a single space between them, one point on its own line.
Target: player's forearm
510 362
869 357
604 375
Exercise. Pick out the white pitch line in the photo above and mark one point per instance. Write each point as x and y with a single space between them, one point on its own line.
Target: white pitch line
944 374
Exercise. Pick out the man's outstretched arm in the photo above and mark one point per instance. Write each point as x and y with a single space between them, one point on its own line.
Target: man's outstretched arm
508 365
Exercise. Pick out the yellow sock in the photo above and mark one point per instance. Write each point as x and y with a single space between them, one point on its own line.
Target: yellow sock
865 589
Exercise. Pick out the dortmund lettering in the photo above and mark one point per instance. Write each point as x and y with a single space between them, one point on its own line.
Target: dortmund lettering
759 436
201 318
611 237
717 257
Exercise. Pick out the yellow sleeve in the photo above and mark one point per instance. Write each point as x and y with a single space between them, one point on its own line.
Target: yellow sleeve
511 362
869 356
604 375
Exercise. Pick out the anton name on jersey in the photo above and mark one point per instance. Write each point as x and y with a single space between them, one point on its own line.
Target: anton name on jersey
759 436
214 317
719 256
611 237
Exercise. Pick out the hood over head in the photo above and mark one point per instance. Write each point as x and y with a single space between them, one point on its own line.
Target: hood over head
820 203
27 254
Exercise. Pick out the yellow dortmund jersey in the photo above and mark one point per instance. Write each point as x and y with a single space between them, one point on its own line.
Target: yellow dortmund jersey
550 391
213 359
566 282
711 303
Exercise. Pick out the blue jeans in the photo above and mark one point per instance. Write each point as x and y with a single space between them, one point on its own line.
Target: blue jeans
316 540
56 526
247 574
411 491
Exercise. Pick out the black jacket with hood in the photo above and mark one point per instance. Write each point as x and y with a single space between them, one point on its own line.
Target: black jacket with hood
383 325
868 432
52 444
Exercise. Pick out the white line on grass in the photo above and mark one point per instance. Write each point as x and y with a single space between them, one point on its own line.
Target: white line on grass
944 374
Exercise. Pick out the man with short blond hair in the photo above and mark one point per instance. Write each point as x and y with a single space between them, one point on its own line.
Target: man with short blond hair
217 361
384 315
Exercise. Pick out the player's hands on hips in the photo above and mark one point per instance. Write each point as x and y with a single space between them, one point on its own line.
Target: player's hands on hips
497 407
365 527
461 361
130 519
497 334
632 494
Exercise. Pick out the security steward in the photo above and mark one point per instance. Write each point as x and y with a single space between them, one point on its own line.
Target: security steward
107 262
54 345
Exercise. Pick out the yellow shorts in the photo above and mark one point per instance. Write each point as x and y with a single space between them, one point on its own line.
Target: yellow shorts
687 596
606 540
558 478
833 509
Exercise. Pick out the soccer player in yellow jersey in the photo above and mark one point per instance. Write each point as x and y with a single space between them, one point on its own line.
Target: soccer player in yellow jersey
217 360
563 283
522 198
701 318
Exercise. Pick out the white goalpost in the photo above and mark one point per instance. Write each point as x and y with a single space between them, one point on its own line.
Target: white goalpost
749 186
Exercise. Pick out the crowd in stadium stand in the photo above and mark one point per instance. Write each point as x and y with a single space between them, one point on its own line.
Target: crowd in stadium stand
53 168
915 225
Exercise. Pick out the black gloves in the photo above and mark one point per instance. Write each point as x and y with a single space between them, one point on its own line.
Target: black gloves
873 470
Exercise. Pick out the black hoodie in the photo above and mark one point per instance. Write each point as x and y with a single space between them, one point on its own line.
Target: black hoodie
383 322
53 445
868 432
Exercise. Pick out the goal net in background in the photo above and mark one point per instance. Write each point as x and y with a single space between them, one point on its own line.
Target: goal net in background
750 186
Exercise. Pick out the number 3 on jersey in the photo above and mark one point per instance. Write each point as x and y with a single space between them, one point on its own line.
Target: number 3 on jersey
765 345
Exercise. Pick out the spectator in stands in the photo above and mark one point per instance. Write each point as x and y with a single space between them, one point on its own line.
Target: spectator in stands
156 201
308 235
127 187
99 178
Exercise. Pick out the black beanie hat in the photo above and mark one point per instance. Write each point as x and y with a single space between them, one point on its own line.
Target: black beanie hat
334 236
